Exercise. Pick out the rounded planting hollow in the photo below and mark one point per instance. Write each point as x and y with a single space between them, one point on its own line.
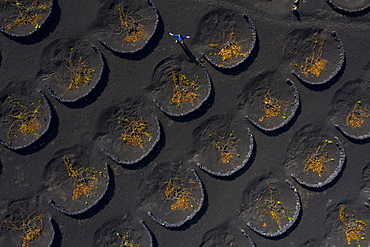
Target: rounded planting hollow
350 111
271 106
179 87
127 131
347 225
72 186
24 223
71 69
222 145
270 207
225 38
313 55
21 18
268 102
175 198
128 25
25 120
315 157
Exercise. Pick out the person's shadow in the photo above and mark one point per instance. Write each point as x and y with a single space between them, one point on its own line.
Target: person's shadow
297 15
190 55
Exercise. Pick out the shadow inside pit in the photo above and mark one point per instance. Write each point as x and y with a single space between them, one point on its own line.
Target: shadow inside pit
44 31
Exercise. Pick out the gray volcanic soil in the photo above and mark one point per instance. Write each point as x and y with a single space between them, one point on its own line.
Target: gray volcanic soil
129 76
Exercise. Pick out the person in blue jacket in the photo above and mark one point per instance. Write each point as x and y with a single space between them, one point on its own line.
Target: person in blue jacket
179 37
